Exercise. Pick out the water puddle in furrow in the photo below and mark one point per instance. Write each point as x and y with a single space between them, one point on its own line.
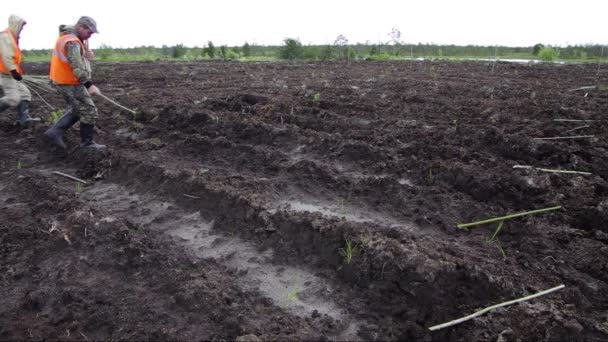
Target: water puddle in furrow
343 210
295 289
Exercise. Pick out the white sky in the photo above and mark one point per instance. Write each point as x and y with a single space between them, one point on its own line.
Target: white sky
268 22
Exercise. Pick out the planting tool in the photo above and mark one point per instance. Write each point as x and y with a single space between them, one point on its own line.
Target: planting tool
116 104
40 96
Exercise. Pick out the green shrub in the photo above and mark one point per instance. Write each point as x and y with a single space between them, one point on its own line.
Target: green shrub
104 53
209 50
536 49
381 57
246 50
548 54
326 53
232 55
292 49
178 51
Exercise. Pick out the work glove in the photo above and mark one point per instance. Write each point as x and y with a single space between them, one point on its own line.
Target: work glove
16 75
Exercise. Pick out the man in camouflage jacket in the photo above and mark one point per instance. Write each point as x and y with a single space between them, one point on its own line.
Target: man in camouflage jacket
70 72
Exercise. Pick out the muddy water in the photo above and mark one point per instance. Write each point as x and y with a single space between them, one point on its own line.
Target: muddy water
298 290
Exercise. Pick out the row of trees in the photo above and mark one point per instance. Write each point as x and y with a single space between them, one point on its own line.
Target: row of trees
340 49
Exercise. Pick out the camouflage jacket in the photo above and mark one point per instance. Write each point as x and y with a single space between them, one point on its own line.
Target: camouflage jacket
80 65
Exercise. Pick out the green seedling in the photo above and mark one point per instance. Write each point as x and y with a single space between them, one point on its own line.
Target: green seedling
54 116
502 251
292 295
493 238
347 252
316 98
501 220
19 164
342 208
78 188
364 238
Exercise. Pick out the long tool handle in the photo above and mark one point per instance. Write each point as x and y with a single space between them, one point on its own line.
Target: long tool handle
116 104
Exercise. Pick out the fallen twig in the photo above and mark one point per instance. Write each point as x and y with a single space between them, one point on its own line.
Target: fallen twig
83 335
551 170
190 196
116 104
576 128
573 120
570 137
583 88
70 177
481 312
538 211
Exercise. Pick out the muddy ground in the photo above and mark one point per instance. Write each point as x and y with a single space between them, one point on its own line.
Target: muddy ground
222 208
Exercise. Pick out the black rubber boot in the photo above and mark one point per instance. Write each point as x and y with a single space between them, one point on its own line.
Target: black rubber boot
56 132
23 113
86 134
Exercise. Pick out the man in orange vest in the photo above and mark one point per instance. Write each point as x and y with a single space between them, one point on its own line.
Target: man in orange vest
70 72
15 92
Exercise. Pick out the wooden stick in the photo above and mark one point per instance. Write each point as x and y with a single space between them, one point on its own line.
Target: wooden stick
70 177
551 170
571 137
34 90
496 219
583 88
576 128
39 86
481 312
572 120
116 104
190 196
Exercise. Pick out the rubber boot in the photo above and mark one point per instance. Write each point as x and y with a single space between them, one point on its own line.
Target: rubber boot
23 113
56 132
86 134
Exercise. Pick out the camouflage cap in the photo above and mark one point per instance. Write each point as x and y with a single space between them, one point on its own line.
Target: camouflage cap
88 22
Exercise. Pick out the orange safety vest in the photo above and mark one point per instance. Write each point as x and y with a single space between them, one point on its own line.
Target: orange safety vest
60 71
16 55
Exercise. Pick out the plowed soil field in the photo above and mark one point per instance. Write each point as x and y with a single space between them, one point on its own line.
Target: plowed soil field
312 201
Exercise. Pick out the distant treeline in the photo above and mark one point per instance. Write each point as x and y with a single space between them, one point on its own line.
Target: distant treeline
293 49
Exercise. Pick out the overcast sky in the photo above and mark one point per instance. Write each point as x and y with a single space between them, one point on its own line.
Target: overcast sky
267 22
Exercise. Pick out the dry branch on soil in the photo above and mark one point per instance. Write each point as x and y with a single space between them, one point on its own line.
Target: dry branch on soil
570 137
496 219
481 312
551 170
70 177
